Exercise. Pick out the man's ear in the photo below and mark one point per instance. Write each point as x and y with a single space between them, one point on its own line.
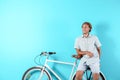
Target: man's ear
90 30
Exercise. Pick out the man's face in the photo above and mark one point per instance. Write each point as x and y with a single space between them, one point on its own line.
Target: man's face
85 28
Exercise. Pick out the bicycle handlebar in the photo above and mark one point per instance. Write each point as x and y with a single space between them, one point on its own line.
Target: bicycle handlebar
47 53
51 53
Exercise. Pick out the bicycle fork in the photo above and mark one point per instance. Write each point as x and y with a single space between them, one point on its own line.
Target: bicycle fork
42 71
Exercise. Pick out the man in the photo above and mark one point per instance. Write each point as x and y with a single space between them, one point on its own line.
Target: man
88 48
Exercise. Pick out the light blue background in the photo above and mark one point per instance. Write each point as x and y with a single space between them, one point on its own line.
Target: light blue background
28 27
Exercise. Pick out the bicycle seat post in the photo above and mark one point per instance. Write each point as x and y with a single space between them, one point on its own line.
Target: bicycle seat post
76 61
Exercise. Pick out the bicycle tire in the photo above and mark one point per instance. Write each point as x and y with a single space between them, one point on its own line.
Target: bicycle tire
101 76
31 71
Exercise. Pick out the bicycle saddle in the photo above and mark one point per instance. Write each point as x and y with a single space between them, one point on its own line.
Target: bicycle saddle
76 56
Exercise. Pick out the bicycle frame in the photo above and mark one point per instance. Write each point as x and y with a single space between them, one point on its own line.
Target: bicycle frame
46 69
58 62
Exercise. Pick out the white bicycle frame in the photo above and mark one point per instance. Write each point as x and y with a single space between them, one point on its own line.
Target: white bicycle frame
58 62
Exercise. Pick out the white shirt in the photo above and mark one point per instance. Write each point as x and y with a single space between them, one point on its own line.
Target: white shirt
89 43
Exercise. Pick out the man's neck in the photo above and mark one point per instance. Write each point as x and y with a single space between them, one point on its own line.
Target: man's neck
85 34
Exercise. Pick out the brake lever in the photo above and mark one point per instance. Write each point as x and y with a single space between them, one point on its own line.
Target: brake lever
43 53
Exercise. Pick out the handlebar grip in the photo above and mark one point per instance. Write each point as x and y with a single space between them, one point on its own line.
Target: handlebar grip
51 53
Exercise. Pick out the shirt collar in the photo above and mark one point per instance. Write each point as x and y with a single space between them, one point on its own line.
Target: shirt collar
87 37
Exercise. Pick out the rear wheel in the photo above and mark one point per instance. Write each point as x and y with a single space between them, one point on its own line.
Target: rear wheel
34 73
88 76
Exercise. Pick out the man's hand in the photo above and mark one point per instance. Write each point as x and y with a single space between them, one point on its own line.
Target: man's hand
89 54
79 56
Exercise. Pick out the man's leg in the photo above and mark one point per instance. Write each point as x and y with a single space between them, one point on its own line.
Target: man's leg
79 75
95 68
95 76
80 71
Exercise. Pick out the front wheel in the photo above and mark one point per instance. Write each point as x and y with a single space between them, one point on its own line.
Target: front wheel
34 74
87 76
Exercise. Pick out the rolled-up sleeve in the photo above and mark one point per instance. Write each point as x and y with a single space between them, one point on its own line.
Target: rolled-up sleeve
97 42
76 45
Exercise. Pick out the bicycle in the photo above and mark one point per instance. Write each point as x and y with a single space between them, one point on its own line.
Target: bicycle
43 72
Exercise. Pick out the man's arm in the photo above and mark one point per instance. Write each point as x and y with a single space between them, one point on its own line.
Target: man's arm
81 53
78 53
99 50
